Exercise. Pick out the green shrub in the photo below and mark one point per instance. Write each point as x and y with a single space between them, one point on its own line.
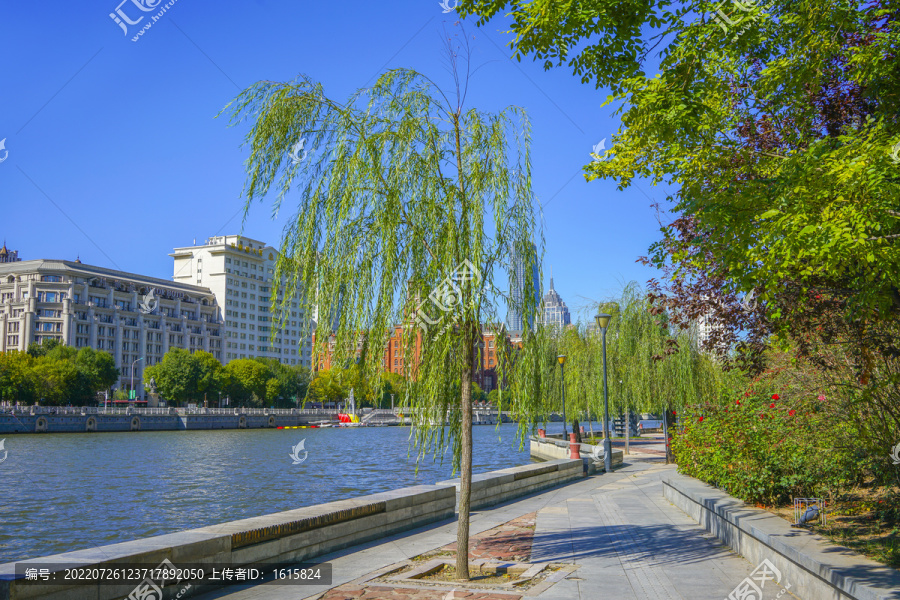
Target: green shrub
764 449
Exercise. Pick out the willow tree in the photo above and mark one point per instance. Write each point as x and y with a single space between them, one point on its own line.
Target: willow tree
408 205
651 366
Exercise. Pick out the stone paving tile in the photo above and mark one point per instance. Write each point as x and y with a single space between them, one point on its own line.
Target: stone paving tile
637 547
508 542
376 592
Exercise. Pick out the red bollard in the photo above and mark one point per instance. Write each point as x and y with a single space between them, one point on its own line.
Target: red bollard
574 447
542 433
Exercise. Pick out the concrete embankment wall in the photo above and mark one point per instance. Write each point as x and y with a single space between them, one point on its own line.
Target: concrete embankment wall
552 449
814 567
499 486
285 537
72 421
292 536
89 419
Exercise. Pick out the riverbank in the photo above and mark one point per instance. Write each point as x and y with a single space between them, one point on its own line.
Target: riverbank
42 419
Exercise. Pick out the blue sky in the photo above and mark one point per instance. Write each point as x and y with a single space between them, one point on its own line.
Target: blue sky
115 153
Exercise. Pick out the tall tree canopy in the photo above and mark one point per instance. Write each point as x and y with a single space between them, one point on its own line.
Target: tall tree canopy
777 126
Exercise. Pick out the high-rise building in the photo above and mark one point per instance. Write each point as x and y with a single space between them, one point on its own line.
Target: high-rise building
131 316
518 278
241 273
554 312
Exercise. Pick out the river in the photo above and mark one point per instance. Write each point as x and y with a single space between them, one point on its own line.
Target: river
63 492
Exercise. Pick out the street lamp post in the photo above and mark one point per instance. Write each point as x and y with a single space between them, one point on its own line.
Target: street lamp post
562 368
132 375
603 322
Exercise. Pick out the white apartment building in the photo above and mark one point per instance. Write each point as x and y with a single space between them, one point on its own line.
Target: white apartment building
131 316
240 272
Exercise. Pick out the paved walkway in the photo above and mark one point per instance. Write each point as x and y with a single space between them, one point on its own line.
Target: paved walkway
628 541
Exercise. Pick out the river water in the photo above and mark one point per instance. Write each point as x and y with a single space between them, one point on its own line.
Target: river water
63 492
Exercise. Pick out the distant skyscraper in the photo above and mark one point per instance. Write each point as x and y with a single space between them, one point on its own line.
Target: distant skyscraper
8 255
555 312
514 319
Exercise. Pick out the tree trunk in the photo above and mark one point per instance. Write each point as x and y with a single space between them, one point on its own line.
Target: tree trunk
667 433
465 480
577 430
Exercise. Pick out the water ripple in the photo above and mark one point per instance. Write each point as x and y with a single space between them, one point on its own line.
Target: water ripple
63 492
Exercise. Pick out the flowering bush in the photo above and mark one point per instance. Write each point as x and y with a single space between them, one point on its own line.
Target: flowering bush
762 451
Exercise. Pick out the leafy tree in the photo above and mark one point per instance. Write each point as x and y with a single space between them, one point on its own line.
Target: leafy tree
38 350
291 382
651 368
401 186
326 387
15 377
478 394
209 375
392 384
494 397
96 371
248 379
177 376
54 381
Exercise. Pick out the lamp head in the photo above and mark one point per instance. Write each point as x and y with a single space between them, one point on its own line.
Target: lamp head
561 359
602 320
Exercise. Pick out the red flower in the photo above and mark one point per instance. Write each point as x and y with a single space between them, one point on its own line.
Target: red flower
700 420
762 415
792 412
746 395
673 412
776 397
772 405
738 402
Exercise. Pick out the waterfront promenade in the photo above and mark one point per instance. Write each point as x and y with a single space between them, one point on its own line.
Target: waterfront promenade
625 539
